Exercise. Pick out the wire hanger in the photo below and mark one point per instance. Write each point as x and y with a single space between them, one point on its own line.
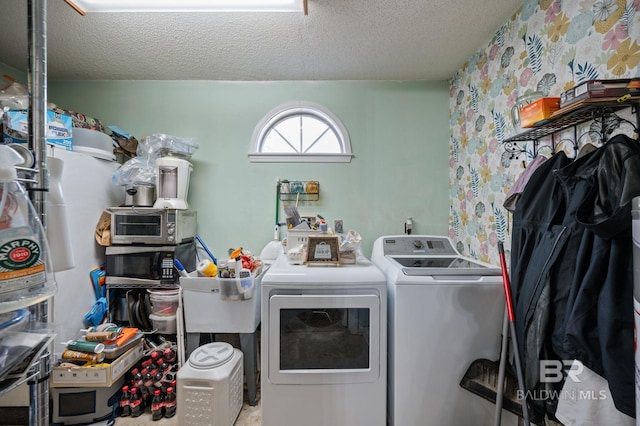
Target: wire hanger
560 143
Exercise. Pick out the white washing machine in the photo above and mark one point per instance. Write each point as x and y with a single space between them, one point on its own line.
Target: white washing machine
445 311
324 345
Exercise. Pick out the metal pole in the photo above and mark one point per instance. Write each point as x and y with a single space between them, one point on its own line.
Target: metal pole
37 76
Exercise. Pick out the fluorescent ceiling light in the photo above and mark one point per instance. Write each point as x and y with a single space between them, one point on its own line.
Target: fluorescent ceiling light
187 5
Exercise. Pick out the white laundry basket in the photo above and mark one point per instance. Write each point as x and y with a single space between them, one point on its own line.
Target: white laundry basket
210 386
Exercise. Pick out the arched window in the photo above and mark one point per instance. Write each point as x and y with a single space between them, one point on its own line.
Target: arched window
300 132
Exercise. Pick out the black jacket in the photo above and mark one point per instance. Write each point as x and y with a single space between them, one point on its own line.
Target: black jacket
572 265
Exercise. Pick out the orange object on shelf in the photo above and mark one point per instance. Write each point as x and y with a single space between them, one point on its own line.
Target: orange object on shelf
124 336
237 252
539 110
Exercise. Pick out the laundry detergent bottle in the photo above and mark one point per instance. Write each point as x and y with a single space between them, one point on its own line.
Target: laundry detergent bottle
26 276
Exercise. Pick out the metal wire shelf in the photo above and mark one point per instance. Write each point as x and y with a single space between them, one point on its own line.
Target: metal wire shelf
569 117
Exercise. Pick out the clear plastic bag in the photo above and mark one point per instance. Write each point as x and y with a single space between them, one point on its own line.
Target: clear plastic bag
135 171
161 145
142 168
13 95
351 242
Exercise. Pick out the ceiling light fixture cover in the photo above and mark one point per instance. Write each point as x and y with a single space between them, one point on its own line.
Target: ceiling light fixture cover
90 6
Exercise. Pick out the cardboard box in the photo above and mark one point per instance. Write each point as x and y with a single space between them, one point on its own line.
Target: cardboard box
538 110
96 376
59 128
594 89
81 120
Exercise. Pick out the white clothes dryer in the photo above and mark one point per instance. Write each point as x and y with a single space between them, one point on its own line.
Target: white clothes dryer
324 345
445 311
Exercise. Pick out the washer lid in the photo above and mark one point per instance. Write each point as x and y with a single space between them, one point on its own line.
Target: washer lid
211 355
433 265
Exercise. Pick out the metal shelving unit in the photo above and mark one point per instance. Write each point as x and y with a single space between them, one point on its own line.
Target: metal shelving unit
570 117
29 372
36 368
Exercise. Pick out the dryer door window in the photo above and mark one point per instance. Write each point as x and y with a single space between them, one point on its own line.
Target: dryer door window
324 338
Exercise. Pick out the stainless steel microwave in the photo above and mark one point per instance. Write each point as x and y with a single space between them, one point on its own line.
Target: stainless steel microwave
146 225
148 265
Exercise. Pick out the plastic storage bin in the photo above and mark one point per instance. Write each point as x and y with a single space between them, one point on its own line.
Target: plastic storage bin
240 288
205 311
164 302
26 273
210 386
164 324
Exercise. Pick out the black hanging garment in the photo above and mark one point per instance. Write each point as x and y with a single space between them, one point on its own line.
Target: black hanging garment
572 267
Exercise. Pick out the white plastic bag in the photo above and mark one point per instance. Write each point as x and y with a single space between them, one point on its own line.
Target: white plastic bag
351 242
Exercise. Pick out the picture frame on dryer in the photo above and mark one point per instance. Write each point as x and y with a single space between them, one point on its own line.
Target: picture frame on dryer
323 250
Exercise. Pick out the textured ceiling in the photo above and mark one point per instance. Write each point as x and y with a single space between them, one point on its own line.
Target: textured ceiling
337 40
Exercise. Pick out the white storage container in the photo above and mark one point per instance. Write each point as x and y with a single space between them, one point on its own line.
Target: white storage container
164 302
205 310
210 386
164 324
300 237
238 288
26 272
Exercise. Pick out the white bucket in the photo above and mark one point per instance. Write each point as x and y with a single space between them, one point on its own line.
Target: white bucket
164 302
164 324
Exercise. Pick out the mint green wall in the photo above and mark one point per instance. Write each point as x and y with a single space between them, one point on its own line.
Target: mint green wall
10 71
399 134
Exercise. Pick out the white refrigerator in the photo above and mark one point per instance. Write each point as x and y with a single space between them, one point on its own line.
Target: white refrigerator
87 190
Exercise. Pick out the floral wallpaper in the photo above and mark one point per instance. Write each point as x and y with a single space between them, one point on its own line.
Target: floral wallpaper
547 46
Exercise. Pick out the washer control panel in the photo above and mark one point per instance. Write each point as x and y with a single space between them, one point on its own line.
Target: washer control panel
411 245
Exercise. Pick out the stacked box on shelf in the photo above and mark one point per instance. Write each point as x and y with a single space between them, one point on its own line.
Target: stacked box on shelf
59 128
594 89
98 375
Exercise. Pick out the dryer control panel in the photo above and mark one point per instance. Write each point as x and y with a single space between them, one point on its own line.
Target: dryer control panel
408 245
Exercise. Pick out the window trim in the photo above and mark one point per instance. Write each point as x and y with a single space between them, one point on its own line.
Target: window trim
294 108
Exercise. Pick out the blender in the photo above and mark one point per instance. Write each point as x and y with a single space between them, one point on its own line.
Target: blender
172 183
